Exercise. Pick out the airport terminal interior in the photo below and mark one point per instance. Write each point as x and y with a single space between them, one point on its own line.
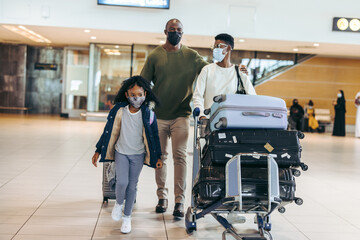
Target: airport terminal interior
62 64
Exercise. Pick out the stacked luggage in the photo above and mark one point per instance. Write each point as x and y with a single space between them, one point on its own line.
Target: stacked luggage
248 124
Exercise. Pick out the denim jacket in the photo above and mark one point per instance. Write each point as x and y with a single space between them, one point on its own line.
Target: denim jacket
107 141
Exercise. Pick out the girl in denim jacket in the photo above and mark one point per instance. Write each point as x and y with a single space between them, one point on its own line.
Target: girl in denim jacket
130 138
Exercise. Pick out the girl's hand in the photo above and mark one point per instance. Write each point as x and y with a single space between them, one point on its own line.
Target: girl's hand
159 164
95 158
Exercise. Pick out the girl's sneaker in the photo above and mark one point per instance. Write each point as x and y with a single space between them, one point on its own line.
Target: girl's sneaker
126 224
116 212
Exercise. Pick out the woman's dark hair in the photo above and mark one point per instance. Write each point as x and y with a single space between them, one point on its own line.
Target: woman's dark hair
140 82
228 39
342 100
342 94
311 103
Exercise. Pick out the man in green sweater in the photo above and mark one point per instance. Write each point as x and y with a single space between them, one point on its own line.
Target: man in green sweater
173 68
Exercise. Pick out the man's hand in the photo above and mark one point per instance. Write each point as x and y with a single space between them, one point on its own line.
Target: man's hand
243 69
159 164
95 158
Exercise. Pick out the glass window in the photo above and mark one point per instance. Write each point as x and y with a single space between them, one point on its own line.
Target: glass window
76 79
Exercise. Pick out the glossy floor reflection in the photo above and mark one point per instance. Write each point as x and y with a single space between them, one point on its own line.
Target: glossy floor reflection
50 190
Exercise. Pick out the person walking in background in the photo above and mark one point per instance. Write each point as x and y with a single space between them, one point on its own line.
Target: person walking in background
130 138
340 110
310 111
357 124
296 115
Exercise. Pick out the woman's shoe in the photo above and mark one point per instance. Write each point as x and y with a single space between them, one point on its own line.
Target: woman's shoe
116 212
126 224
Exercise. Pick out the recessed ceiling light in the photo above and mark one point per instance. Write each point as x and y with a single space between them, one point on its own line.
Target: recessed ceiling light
316 44
241 40
25 32
93 37
268 56
295 50
87 30
116 46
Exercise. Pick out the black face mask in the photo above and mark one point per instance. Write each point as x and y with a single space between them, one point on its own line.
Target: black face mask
174 38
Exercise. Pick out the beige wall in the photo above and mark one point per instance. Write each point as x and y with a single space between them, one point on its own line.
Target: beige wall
318 79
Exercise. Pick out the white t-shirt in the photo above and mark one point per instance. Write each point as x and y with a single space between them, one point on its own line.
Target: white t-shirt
215 80
131 140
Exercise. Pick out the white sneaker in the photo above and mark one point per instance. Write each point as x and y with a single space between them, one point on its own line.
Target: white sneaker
126 224
116 212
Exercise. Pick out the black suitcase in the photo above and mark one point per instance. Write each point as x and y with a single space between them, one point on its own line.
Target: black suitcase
222 145
210 185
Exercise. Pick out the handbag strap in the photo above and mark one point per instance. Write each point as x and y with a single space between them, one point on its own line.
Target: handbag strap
240 86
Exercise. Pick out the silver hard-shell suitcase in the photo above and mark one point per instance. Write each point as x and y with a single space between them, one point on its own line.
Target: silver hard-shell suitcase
108 193
247 112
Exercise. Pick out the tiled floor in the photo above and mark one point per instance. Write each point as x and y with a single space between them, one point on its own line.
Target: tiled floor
50 190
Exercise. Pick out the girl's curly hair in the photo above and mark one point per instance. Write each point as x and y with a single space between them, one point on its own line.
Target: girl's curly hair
138 81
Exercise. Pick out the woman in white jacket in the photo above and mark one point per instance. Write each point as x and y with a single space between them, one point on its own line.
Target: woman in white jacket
357 124
219 77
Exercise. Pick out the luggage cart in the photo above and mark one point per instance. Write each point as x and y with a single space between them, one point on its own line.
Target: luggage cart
234 200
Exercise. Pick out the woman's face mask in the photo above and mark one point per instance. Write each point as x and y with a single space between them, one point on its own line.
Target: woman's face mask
218 51
136 102
339 95
218 55
136 96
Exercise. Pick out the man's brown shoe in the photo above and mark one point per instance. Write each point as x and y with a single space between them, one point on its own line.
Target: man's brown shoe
161 206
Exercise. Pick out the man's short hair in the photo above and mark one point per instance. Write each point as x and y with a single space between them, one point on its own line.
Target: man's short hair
228 39
176 20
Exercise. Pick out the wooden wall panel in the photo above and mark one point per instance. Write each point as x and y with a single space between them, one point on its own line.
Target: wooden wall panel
318 79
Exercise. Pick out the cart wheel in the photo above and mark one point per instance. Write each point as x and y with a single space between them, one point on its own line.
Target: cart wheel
299 201
301 135
296 173
207 111
106 200
304 167
190 220
267 227
281 209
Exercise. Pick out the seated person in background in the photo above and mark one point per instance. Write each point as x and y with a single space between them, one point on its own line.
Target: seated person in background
220 77
296 116
310 111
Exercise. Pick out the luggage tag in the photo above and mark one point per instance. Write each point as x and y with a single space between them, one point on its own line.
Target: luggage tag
285 155
256 156
228 155
268 147
221 135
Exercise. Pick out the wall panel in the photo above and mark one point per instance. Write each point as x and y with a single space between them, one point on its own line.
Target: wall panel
318 79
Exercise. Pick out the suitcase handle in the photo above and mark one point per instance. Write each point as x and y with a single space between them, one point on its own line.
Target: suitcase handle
258 114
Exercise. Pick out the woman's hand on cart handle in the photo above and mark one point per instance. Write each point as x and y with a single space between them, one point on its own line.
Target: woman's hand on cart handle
95 158
159 164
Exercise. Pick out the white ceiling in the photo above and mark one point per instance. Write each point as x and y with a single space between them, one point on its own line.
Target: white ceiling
60 36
